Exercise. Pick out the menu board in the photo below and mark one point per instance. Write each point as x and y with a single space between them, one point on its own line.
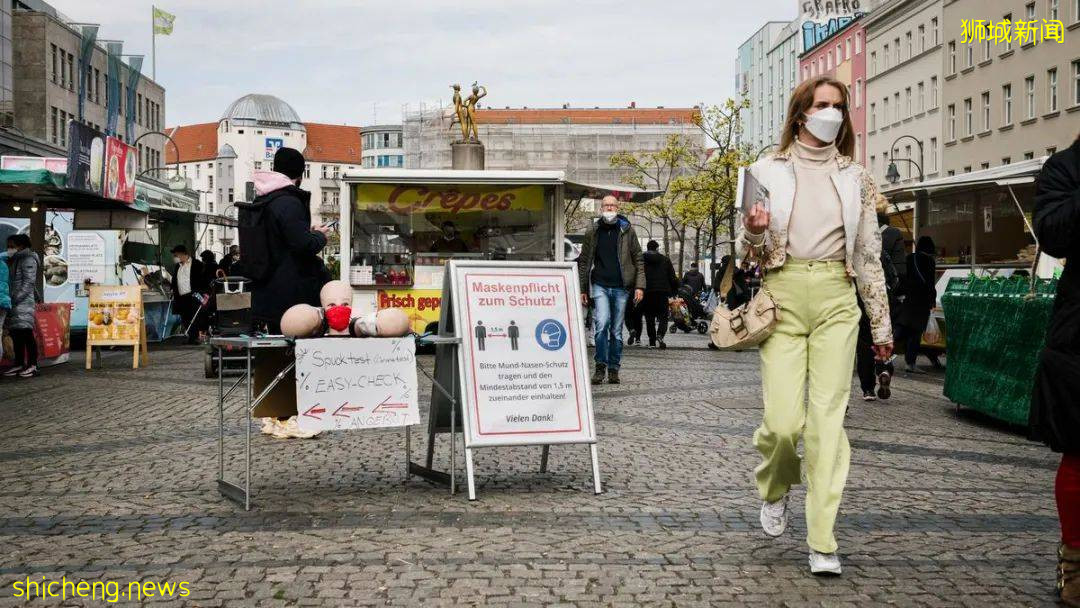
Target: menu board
115 314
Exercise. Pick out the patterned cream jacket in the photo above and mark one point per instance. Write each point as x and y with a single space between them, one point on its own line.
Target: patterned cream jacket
858 195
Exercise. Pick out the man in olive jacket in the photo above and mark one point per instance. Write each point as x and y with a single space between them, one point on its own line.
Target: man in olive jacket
610 265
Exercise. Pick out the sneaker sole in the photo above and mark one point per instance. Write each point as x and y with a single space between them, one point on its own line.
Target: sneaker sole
825 573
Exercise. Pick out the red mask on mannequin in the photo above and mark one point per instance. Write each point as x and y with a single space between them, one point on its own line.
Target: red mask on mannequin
337 317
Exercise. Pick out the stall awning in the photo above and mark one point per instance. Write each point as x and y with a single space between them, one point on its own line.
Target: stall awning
1023 172
637 195
49 189
452 176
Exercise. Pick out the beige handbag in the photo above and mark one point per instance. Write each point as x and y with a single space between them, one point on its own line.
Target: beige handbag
746 326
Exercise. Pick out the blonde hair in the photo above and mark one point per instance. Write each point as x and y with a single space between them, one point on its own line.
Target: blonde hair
802 98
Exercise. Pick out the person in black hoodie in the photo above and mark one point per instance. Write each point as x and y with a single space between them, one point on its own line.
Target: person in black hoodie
694 279
920 297
296 272
660 285
1055 411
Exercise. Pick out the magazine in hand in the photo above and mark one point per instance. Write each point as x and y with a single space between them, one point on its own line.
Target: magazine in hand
750 192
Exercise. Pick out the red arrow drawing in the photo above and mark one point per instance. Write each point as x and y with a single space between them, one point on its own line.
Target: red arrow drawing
315 409
385 405
345 407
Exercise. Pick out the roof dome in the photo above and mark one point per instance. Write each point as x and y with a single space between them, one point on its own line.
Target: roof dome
262 108
226 151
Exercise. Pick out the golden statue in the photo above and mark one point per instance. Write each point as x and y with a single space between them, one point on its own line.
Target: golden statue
470 110
460 113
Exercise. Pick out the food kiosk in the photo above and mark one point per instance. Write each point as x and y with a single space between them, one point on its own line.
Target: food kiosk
400 226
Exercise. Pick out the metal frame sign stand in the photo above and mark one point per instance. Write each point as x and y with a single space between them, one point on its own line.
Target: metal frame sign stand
522 364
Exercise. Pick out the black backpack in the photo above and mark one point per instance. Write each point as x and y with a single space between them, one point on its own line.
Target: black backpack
255 231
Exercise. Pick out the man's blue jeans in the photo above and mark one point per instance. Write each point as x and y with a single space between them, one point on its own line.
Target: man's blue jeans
609 309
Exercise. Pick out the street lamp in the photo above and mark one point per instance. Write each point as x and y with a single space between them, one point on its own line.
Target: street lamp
759 152
892 174
177 182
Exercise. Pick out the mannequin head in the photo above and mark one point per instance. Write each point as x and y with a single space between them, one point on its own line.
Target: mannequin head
386 323
336 293
301 321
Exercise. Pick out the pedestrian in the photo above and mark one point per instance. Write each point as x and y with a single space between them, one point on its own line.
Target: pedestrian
281 256
610 265
296 273
694 279
660 285
5 296
210 266
189 289
24 266
814 261
1055 411
920 297
229 260
878 374
635 322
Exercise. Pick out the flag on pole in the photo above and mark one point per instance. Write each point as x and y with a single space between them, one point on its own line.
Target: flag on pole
163 22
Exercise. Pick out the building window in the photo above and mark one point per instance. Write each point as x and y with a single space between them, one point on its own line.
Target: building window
884 111
873 62
933 154
210 181
907 154
1052 8
873 117
910 48
325 172
1029 95
1006 104
873 164
1051 89
63 69
1029 10
952 57
859 91
1008 39
1076 81
307 171
885 56
985 165
986 111
54 119
969 122
1029 155
952 122
858 42
970 56
71 72
907 102
53 69
967 169
230 195
847 47
1006 160
933 91
922 38
258 165
922 97
934 30
896 106
337 170
1051 150
896 45
858 145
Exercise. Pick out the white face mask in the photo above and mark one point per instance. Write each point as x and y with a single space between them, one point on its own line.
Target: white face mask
609 216
825 124
11 250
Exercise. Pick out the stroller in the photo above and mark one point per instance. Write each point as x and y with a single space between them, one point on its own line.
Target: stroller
688 312
230 317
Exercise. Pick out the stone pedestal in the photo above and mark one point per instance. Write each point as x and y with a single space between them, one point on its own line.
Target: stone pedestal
467 155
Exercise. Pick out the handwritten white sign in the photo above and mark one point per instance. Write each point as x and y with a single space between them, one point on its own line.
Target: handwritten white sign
356 383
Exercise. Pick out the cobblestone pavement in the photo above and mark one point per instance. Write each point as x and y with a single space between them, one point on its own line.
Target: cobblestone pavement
109 475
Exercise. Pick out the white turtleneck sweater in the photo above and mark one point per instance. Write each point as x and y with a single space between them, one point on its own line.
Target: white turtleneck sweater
816 226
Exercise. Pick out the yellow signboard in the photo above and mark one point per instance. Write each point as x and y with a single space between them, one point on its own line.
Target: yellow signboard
115 317
407 199
422 305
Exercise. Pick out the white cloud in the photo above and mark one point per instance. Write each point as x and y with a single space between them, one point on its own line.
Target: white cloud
333 59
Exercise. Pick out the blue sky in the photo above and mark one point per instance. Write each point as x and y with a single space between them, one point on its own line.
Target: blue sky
356 62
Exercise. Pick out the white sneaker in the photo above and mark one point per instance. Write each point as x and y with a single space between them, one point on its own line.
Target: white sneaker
269 425
824 564
28 372
290 429
12 371
774 516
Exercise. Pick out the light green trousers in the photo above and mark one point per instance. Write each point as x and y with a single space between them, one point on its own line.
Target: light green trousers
812 351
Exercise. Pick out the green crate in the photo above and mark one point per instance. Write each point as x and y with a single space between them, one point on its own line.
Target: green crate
996 331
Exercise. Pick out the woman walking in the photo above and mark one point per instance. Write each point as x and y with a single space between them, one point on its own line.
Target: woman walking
24 265
817 240
920 298
1055 411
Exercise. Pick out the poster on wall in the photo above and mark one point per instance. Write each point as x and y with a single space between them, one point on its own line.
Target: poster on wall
86 257
120 170
86 158
523 362
422 305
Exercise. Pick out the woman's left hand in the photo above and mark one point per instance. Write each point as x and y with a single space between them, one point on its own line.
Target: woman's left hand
882 352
